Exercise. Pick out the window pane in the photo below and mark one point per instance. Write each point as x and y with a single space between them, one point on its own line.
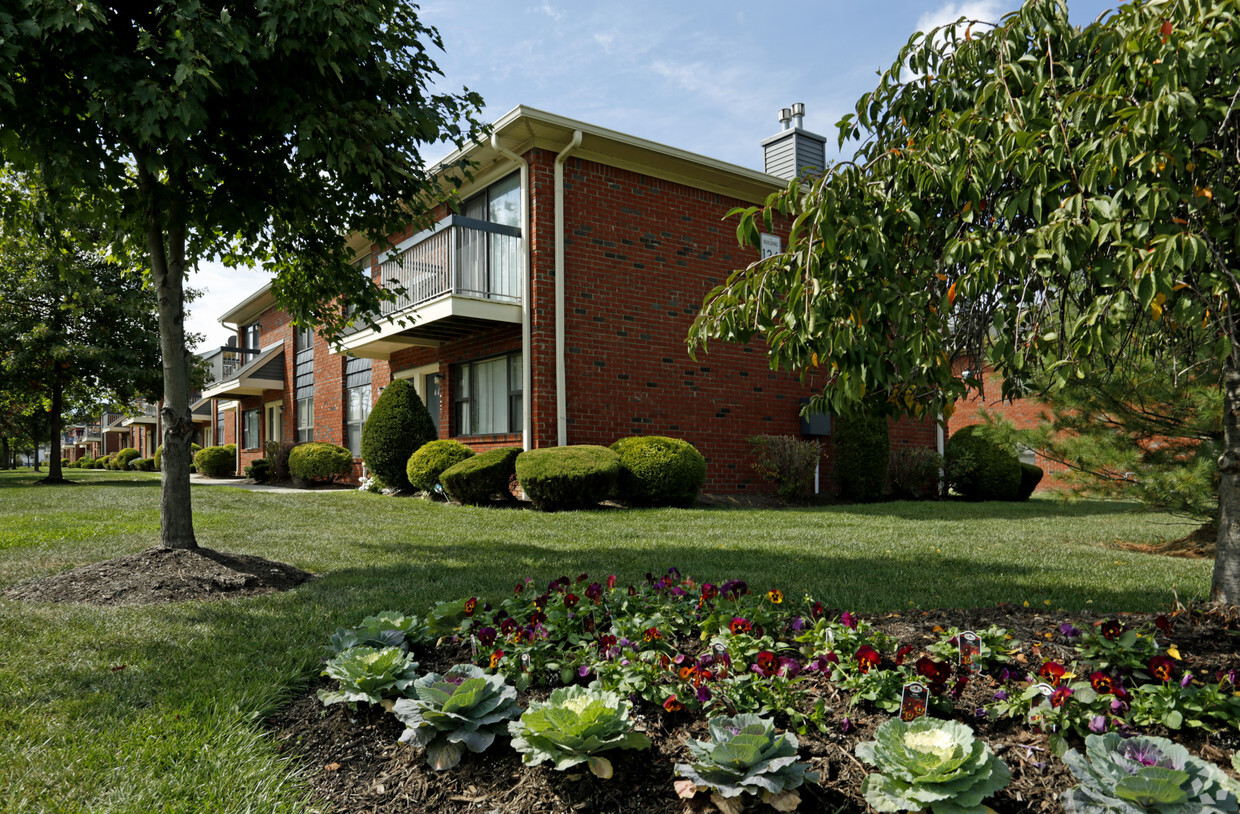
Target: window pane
505 203
492 397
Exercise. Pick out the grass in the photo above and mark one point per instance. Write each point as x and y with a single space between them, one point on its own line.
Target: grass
136 709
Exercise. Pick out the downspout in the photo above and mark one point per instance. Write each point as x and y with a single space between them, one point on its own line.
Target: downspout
527 289
561 396
939 447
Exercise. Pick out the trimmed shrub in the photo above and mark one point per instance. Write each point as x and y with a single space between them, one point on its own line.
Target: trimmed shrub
914 472
65 463
658 471
431 459
474 481
788 462
398 426
862 453
1030 477
85 462
319 461
144 464
215 462
193 450
277 454
978 468
112 463
125 458
259 470
574 477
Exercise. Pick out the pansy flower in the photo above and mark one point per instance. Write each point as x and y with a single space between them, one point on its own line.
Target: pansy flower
765 663
788 667
1102 683
959 687
1111 629
740 625
687 672
582 577
632 591
866 658
703 694
611 581
520 587
709 592
486 636
673 705
1163 624
594 592
1059 696
537 617
902 654
471 605
570 600
848 620
1052 672
507 626
1069 631
540 601
652 634
822 664
496 657
818 611
605 643
936 671
776 596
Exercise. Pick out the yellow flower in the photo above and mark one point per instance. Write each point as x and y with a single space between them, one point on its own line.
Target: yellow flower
775 595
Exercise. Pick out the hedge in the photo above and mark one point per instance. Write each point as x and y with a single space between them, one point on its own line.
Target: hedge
319 461
398 426
978 468
430 460
474 481
215 462
862 455
658 471
574 477
85 462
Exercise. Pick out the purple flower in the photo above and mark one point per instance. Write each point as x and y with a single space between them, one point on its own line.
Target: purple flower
703 694
981 712
848 620
1118 706
1069 631
1001 696
583 670
798 624
1098 724
788 667
1188 677
846 726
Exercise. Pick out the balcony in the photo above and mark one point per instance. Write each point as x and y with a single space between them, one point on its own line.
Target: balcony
224 362
144 412
92 434
113 422
459 276
243 372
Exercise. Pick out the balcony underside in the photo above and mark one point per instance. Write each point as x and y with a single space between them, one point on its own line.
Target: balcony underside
118 428
430 324
265 372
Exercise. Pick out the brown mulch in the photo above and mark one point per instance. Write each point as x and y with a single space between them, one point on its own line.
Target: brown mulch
1199 545
355 763
163 575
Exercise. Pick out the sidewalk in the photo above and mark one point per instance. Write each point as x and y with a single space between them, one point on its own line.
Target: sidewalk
201 480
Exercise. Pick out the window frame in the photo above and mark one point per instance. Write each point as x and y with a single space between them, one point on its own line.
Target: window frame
248 442
466 398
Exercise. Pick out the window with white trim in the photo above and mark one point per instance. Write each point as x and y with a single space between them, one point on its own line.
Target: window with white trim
487 396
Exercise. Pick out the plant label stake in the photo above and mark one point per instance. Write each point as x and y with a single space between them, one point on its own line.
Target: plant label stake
970 649
913 701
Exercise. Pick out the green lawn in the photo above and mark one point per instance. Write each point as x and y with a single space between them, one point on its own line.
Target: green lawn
175 729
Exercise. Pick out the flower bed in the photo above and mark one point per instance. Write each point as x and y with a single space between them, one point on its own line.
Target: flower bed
1030 687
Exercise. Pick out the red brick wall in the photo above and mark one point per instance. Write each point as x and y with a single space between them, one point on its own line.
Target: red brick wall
1023 413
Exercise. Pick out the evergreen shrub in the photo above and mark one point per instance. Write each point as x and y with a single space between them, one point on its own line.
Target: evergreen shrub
125 458
978 468
215 462
397 426
193 450
474 481
430 460
319 461
1030 476
277 453
258 470
658 471
914 472
862 454
85 462
144 464
573 477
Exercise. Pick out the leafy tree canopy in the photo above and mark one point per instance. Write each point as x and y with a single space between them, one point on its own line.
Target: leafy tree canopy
1030 194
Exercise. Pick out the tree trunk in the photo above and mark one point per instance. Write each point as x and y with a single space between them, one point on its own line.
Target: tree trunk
1226 583
55 474
4 452
166 242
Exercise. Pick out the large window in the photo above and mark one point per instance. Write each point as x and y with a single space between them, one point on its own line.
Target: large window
489 259
487 396
357 399
251 336
249 429
219 426
303 383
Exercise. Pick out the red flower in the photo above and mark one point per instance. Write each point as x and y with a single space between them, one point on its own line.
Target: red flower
848 620
818 611
611 581
470 605
496 657
1163 624
1101 682
486 636
582 577
1052 671
1162 668
540 601
766 662
709 591
902 654
866 657
739 626
570 600
632 591
1111 629
508 626
672 705
594 592
520 587
1059 696
652 634
936 671
537 617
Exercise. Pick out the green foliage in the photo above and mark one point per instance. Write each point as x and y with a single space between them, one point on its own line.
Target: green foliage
463 709
319 461
658 471
112 463
194 449
978 468
914 472
573 477
1144 774
476 481
572 727
144 464
126 456
1030 477
743 756
258 470
788 462
862 453
277 453
398 425
215 462
85 462
931 764
368 674
430 460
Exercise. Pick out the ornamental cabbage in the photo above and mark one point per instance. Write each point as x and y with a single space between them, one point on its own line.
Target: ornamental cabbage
1143 774
573 726
744 756
386 629
369 674
930 764
464 708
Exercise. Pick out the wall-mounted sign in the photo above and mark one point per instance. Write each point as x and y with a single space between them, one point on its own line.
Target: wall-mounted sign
770 245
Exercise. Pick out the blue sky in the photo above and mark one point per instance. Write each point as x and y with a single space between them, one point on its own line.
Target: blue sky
703 77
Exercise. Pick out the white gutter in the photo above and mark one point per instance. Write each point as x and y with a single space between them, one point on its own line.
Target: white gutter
561 397
527 362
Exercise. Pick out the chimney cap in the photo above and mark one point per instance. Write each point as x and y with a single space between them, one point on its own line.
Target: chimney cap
785 117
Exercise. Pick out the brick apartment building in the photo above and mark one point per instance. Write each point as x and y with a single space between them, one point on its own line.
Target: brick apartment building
551 309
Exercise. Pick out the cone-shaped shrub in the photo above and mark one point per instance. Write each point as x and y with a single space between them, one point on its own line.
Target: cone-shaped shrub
980 469
430 460
658 471
397 426
476 480
574 477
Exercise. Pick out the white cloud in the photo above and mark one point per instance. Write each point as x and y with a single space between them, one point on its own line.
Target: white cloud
550 11
222 288
987 10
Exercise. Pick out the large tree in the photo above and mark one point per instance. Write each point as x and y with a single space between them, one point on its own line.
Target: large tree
263 131
1037 196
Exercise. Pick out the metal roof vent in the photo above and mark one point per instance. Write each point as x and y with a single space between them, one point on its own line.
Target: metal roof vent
794 151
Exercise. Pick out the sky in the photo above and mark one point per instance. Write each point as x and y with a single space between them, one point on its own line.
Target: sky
709 78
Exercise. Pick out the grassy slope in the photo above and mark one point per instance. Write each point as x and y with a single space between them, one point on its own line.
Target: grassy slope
174 730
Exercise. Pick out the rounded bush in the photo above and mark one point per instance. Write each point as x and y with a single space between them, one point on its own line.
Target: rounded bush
112 463
100 463
85 462
215 462
259 470
978 468
431 459
658 471
65 462
126 456
862 455
320 461
574 477
144 464
193 450
398 425
1030 476
474 481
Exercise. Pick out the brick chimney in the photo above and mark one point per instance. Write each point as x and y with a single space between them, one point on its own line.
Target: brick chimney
794 151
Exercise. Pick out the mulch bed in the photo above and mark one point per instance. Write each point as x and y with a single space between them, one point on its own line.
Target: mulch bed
163 575
355 764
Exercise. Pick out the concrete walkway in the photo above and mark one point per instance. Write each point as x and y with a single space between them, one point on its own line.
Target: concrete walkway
201 480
